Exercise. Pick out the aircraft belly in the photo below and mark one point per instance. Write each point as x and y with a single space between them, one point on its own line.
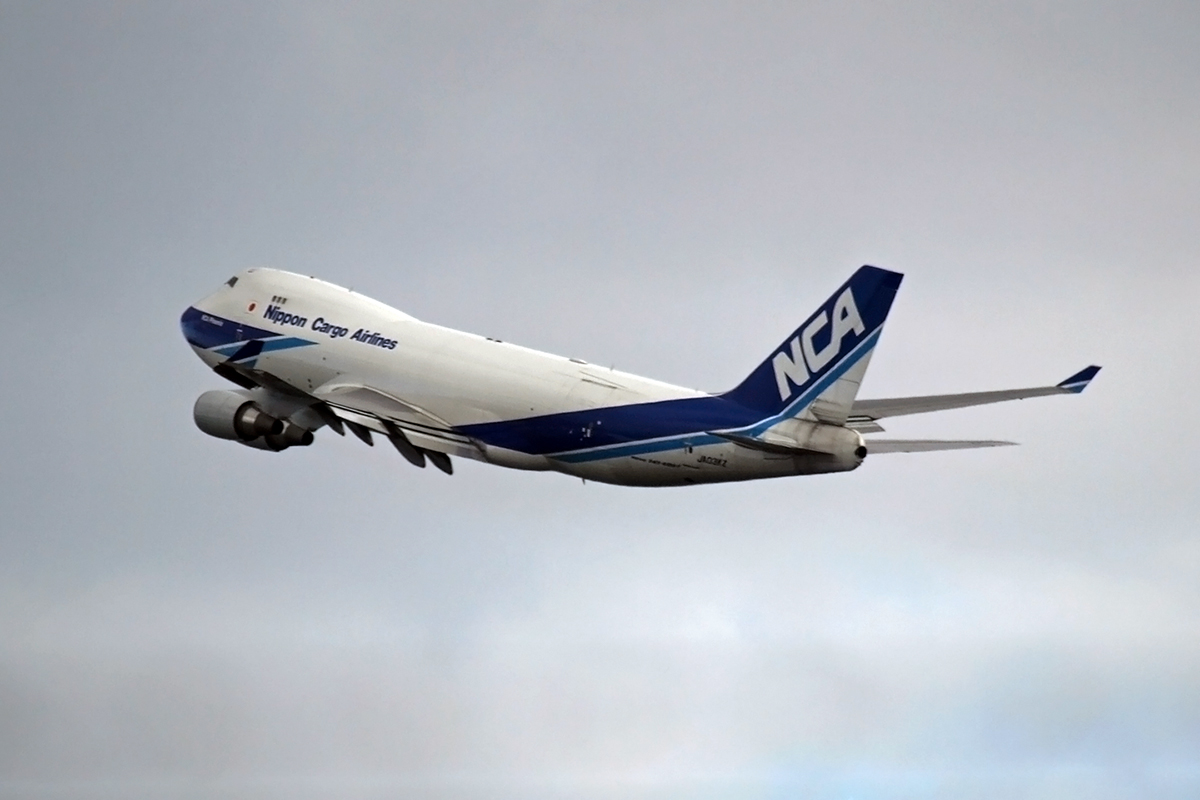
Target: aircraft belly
683 467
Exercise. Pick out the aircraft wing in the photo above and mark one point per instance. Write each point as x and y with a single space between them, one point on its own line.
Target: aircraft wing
865 412
415 432
375 408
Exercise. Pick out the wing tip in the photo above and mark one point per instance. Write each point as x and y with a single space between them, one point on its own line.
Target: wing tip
1080 380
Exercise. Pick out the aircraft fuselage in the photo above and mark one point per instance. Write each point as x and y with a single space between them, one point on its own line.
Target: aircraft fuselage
509 405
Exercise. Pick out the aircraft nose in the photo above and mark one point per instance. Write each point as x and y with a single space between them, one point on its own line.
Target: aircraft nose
189 325
204 330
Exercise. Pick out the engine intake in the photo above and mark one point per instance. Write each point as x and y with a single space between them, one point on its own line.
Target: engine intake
232 415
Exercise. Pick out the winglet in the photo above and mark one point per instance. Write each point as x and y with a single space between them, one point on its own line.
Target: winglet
1079 381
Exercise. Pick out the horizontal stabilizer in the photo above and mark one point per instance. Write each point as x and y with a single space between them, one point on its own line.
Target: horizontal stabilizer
924 445
866 410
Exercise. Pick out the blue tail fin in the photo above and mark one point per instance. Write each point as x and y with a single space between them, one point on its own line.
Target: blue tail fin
840 335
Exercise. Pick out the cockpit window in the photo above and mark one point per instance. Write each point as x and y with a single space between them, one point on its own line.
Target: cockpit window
231 281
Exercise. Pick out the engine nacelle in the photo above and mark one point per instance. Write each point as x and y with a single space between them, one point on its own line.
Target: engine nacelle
233 415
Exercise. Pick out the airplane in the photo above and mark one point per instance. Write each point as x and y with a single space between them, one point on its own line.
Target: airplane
308 354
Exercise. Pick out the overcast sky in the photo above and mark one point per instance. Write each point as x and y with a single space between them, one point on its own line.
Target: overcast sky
670 188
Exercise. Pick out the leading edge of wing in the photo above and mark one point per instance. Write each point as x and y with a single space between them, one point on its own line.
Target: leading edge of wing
875 446
901 406
364 407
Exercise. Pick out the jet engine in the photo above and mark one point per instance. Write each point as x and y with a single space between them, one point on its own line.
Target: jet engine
233 415
237 415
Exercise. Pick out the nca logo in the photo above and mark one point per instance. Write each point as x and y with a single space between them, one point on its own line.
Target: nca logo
805 358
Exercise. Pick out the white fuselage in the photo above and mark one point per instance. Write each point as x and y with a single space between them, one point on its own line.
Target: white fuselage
522 408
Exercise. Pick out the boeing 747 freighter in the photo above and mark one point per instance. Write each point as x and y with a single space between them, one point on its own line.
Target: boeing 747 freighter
307 354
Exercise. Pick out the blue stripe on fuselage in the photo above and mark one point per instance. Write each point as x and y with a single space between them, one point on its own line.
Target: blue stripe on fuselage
268 345
208 331
620 431
641 448
226 337
613 425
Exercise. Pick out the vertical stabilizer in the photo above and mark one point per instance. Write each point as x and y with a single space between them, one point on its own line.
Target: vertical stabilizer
833 405
818 369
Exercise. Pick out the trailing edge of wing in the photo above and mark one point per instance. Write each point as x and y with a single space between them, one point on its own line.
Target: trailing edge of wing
867 410
875 446
373 409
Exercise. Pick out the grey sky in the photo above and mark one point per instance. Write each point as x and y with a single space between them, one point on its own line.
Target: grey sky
668 188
